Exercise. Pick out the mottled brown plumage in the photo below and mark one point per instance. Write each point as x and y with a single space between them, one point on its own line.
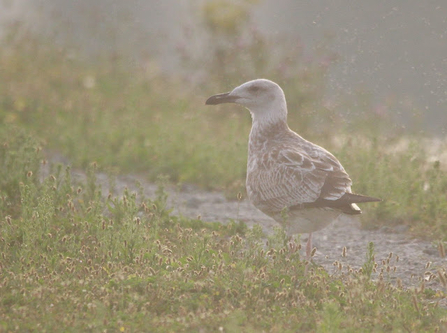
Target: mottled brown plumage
286 172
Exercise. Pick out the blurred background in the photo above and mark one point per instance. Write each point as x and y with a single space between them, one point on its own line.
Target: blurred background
391 55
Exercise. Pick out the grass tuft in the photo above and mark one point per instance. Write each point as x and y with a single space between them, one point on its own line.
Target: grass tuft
76 259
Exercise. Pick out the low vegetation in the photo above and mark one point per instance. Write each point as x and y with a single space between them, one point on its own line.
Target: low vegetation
77 258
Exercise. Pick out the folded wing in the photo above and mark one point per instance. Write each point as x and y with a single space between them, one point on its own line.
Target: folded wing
301 176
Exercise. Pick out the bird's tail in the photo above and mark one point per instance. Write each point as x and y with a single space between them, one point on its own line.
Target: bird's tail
353 199
358 198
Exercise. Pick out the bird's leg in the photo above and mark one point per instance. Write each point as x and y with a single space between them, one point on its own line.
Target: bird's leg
308 253
309 247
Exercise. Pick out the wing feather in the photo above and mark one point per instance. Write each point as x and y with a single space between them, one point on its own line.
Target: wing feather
292 175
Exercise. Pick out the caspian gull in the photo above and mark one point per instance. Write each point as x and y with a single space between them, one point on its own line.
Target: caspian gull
296 182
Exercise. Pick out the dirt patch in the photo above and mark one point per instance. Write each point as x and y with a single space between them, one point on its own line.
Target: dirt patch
413 254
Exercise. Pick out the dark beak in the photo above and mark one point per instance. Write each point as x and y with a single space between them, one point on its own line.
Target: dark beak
221 98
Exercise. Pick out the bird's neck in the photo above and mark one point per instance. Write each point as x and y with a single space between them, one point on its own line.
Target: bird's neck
269 113
262 131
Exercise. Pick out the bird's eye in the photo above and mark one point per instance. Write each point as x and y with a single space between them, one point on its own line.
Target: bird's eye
253 89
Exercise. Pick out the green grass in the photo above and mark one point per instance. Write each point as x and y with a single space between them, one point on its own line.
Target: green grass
414 190
75 259
125 121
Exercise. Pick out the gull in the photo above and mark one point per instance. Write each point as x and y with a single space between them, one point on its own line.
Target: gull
299 184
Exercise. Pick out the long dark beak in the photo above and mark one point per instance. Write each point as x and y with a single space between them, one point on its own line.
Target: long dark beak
221 98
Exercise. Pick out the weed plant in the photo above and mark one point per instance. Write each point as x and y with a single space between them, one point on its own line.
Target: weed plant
414 190
75 259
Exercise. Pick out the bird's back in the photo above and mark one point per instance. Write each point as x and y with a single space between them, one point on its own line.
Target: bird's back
285 170
286 173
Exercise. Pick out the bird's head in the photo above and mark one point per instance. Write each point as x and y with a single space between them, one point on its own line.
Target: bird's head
264 98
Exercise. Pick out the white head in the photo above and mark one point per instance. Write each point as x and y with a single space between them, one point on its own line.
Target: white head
264 98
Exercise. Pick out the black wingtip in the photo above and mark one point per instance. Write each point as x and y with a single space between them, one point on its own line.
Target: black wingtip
359 198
